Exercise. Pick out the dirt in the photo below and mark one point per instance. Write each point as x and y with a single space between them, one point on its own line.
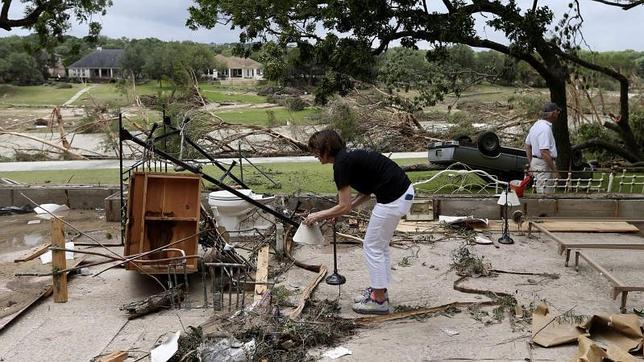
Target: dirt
422 277
23 119
19 237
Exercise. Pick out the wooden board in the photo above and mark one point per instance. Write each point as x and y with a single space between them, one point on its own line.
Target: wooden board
34 252
262 273
497 226
571 226
417 227
47 290
590 226
58 261
118 356
307 293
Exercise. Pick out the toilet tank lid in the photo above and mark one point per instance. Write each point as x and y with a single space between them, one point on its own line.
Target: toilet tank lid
227 195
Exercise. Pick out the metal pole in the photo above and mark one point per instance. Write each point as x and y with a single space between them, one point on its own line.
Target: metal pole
335 252
121 180
241 167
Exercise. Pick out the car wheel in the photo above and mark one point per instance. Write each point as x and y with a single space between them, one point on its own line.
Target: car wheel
463 139
488 144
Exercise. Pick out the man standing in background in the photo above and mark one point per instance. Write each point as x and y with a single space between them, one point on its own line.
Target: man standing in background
541 149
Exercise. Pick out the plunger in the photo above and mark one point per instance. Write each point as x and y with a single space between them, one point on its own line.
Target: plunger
335 278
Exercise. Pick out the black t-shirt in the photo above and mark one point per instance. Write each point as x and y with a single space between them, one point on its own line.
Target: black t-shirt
369 172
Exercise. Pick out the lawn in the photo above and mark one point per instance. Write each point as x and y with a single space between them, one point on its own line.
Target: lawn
62 177
38 95
103 94
220 94
108 93
260 117
291 177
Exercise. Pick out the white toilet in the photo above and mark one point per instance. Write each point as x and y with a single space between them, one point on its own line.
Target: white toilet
232 212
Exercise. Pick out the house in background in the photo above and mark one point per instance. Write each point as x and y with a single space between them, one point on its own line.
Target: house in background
236 68
101 64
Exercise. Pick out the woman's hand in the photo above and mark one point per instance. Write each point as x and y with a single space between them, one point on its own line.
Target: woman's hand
312 218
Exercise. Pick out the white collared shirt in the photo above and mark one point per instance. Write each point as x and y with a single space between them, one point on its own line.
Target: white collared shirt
540 138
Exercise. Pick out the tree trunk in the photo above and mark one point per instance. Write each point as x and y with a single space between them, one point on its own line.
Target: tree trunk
557 86
623 125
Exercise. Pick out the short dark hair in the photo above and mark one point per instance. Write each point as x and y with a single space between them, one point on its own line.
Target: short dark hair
326 143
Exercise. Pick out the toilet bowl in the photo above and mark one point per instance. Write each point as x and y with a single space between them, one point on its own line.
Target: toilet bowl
231 211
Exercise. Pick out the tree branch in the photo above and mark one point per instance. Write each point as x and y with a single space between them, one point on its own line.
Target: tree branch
625 129
620 5
613 127
448 5
29 20
596 143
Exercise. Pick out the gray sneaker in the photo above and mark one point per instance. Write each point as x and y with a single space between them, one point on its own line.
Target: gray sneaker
370 306
366 294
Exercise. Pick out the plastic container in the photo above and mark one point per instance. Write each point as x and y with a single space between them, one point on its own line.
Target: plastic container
519 186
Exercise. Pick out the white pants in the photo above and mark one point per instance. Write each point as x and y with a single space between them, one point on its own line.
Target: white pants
382 224
542 176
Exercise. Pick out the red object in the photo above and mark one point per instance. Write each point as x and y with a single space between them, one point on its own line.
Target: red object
520 186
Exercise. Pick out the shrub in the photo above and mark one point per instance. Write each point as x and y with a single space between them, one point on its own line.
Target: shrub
343 118
636 121
272 98
31 156
63 86
272 121
461 125
291 103
295 104
530 105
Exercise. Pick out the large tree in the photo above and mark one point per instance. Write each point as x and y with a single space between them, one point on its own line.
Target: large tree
52 17
350 27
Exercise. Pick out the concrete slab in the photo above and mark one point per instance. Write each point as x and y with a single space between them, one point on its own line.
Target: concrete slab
630 209
427 281
577 206
90 324
74 196
40 195
6 197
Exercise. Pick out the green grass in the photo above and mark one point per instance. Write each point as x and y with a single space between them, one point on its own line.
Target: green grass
234 86
259 117
36 95
108 93
220 94
62 177
103 94
292 177
490 93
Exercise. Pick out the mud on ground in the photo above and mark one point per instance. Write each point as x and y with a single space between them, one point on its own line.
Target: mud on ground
90 323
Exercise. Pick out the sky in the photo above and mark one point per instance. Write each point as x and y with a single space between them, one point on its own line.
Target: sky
605 27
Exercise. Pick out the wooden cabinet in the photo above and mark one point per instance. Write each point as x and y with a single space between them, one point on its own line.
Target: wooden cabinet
162 209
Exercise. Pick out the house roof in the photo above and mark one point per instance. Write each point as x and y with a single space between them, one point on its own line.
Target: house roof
236 62
100 58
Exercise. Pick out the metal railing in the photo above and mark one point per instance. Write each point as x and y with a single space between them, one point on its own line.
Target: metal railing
459 178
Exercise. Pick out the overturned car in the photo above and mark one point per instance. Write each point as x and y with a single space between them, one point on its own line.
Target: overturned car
485 154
